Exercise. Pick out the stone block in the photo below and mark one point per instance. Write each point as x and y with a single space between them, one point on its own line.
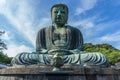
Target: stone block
68 73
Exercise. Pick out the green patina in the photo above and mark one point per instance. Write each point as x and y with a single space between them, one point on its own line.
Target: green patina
60 38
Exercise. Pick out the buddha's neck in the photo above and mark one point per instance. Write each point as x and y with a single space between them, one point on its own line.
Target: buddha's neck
59 26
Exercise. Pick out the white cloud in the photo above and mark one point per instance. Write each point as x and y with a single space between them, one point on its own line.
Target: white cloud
2 2
6 36
79 11
118 46
88 4
21 16
85 24
85 5
43 22
111 37
92 30
14 49
107 25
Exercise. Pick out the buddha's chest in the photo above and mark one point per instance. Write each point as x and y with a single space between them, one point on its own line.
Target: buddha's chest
60 37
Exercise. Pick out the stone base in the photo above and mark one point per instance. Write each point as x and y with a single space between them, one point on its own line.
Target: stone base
67 73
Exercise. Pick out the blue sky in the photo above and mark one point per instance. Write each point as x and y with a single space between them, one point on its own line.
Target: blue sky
98 20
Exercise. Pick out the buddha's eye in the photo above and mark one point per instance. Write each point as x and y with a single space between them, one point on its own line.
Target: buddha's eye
63 12
55 11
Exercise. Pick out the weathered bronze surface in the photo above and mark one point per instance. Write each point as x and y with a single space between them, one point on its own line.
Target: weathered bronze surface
63 39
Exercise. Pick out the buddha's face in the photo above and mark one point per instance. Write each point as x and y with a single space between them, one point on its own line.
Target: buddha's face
59 14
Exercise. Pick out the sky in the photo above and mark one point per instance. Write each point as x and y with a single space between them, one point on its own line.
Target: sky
98 20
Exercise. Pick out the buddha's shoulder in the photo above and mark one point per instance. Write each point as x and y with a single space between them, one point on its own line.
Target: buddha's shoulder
73 28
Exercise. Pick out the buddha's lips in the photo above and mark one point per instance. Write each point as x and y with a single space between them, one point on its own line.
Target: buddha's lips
59 20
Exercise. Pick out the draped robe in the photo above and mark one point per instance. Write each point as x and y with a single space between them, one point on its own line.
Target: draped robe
72 53
45 39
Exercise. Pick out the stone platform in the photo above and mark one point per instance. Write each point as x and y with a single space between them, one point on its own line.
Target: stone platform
67 73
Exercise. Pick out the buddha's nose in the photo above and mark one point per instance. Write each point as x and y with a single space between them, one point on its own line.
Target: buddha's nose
59 13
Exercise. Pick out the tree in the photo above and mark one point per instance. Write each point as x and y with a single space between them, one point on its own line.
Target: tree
2 44
3 57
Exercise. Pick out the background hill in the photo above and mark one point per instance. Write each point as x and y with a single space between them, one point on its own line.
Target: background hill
110 52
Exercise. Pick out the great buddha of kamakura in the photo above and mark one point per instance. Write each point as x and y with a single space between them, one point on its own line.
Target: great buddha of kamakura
62 39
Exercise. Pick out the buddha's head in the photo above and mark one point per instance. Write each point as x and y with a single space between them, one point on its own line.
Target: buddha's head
59 14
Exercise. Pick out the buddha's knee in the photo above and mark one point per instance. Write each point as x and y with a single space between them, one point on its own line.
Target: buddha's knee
94 58
15 60
25 58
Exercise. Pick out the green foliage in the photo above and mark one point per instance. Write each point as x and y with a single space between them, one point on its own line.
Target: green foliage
2 44
110 52
4 58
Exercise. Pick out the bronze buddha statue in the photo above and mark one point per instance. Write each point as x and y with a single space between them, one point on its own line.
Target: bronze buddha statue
62 39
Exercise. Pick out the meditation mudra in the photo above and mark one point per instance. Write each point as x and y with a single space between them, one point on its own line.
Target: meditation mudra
62 39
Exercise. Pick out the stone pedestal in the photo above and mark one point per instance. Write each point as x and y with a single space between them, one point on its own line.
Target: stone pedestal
67 73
